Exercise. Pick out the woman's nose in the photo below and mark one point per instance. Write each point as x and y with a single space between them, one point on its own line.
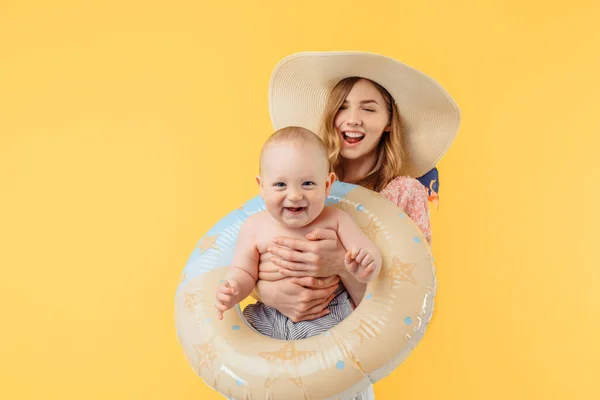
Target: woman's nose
354 118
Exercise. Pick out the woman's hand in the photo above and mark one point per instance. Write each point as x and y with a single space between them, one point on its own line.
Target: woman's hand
320 255
299 299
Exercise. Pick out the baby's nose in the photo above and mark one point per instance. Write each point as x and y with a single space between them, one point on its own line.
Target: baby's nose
295 196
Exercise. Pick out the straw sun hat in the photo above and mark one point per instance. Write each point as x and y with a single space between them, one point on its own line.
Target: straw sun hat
301 82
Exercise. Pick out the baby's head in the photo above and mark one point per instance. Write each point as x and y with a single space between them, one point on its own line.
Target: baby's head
294 176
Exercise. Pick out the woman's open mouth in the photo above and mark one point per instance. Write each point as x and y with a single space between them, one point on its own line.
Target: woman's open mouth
353 137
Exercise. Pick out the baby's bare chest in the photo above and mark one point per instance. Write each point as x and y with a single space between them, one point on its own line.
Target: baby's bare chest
269 230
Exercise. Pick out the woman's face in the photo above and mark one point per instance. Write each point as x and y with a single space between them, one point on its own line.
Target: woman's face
361 120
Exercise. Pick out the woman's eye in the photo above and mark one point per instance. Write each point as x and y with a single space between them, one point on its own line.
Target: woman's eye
369 110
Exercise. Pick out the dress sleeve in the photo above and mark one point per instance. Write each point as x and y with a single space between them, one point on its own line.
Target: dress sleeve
411 197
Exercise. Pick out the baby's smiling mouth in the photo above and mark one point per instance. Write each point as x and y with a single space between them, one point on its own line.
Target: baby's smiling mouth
294 210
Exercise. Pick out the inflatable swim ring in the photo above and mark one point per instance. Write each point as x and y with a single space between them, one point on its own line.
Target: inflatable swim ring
240 363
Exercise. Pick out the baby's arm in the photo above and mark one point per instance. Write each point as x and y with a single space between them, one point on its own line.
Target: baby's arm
243 272
363 259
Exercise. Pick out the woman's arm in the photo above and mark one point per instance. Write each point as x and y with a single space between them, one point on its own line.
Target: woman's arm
411 197
322 255
297 298
312 267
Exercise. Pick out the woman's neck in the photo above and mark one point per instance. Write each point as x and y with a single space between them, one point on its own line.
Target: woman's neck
355 170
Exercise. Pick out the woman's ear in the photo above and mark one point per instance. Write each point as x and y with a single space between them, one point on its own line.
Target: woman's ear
329 182
260 185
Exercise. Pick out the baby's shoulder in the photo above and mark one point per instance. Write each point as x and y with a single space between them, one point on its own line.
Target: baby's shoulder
256 220
260 229
331 212
334 215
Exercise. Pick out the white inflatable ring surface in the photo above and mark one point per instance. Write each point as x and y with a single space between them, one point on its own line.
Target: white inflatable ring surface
234 359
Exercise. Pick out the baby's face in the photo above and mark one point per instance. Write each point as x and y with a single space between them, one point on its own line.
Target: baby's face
294 183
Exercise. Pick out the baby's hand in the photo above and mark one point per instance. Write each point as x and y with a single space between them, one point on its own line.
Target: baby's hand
360 264
225 290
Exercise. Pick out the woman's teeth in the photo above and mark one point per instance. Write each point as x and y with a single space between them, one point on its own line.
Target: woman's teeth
352 137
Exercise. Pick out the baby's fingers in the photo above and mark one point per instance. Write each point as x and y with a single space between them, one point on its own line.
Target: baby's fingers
362 253
223 298
368 259
235 288
221 308
352 266
225 287
348 259
368 271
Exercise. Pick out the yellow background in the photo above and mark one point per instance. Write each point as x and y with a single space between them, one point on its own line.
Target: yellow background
128 130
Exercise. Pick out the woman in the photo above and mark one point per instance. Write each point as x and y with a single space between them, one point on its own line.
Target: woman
382 123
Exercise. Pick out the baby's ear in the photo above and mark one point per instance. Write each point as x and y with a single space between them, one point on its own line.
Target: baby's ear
260 185
329 182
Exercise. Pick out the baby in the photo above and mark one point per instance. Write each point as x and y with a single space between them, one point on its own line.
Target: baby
294 182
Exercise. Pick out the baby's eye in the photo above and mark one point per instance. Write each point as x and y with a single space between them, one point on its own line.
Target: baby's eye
279 184
308 183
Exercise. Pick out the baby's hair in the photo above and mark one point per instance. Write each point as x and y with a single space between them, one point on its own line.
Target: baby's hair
295 134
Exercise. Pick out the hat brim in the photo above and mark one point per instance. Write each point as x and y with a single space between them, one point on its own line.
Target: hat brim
301 82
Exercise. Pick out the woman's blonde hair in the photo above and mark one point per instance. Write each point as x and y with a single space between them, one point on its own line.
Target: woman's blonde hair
390 153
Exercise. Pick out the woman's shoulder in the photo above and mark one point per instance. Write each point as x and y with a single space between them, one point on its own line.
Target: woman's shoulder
404 188
404 183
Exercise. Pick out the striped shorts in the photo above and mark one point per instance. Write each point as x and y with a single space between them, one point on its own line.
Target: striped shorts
270 322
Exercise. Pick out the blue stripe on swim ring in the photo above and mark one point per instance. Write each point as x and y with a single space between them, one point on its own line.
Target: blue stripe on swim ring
227 221
330 200
252 206
341 189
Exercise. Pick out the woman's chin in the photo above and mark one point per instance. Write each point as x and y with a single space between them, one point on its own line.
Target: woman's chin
352 153
362 151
